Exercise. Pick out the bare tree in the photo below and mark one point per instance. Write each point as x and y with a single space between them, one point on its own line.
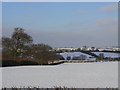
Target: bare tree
16 43
20 46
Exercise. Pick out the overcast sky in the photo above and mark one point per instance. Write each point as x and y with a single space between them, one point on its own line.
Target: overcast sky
64 24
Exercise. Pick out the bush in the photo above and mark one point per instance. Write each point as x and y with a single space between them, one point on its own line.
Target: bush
60 57
6 63
68 58
28 63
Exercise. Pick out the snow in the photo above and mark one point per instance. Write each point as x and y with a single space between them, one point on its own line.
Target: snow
107 54
76 54
79 75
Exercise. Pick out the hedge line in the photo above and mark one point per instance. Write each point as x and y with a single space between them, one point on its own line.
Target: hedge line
8 63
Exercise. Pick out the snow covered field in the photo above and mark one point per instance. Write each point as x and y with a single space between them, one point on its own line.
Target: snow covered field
79 75
108 54
71 54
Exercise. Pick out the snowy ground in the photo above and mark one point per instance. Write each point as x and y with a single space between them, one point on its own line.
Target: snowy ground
71 54
79 75
108 54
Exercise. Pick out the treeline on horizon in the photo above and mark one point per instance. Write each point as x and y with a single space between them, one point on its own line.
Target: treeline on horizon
19 49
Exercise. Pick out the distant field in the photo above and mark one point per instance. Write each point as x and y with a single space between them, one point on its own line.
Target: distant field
78 75
106 54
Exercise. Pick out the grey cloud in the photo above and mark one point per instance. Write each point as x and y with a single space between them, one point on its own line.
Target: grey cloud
106 21
100 32
109 8
107 30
